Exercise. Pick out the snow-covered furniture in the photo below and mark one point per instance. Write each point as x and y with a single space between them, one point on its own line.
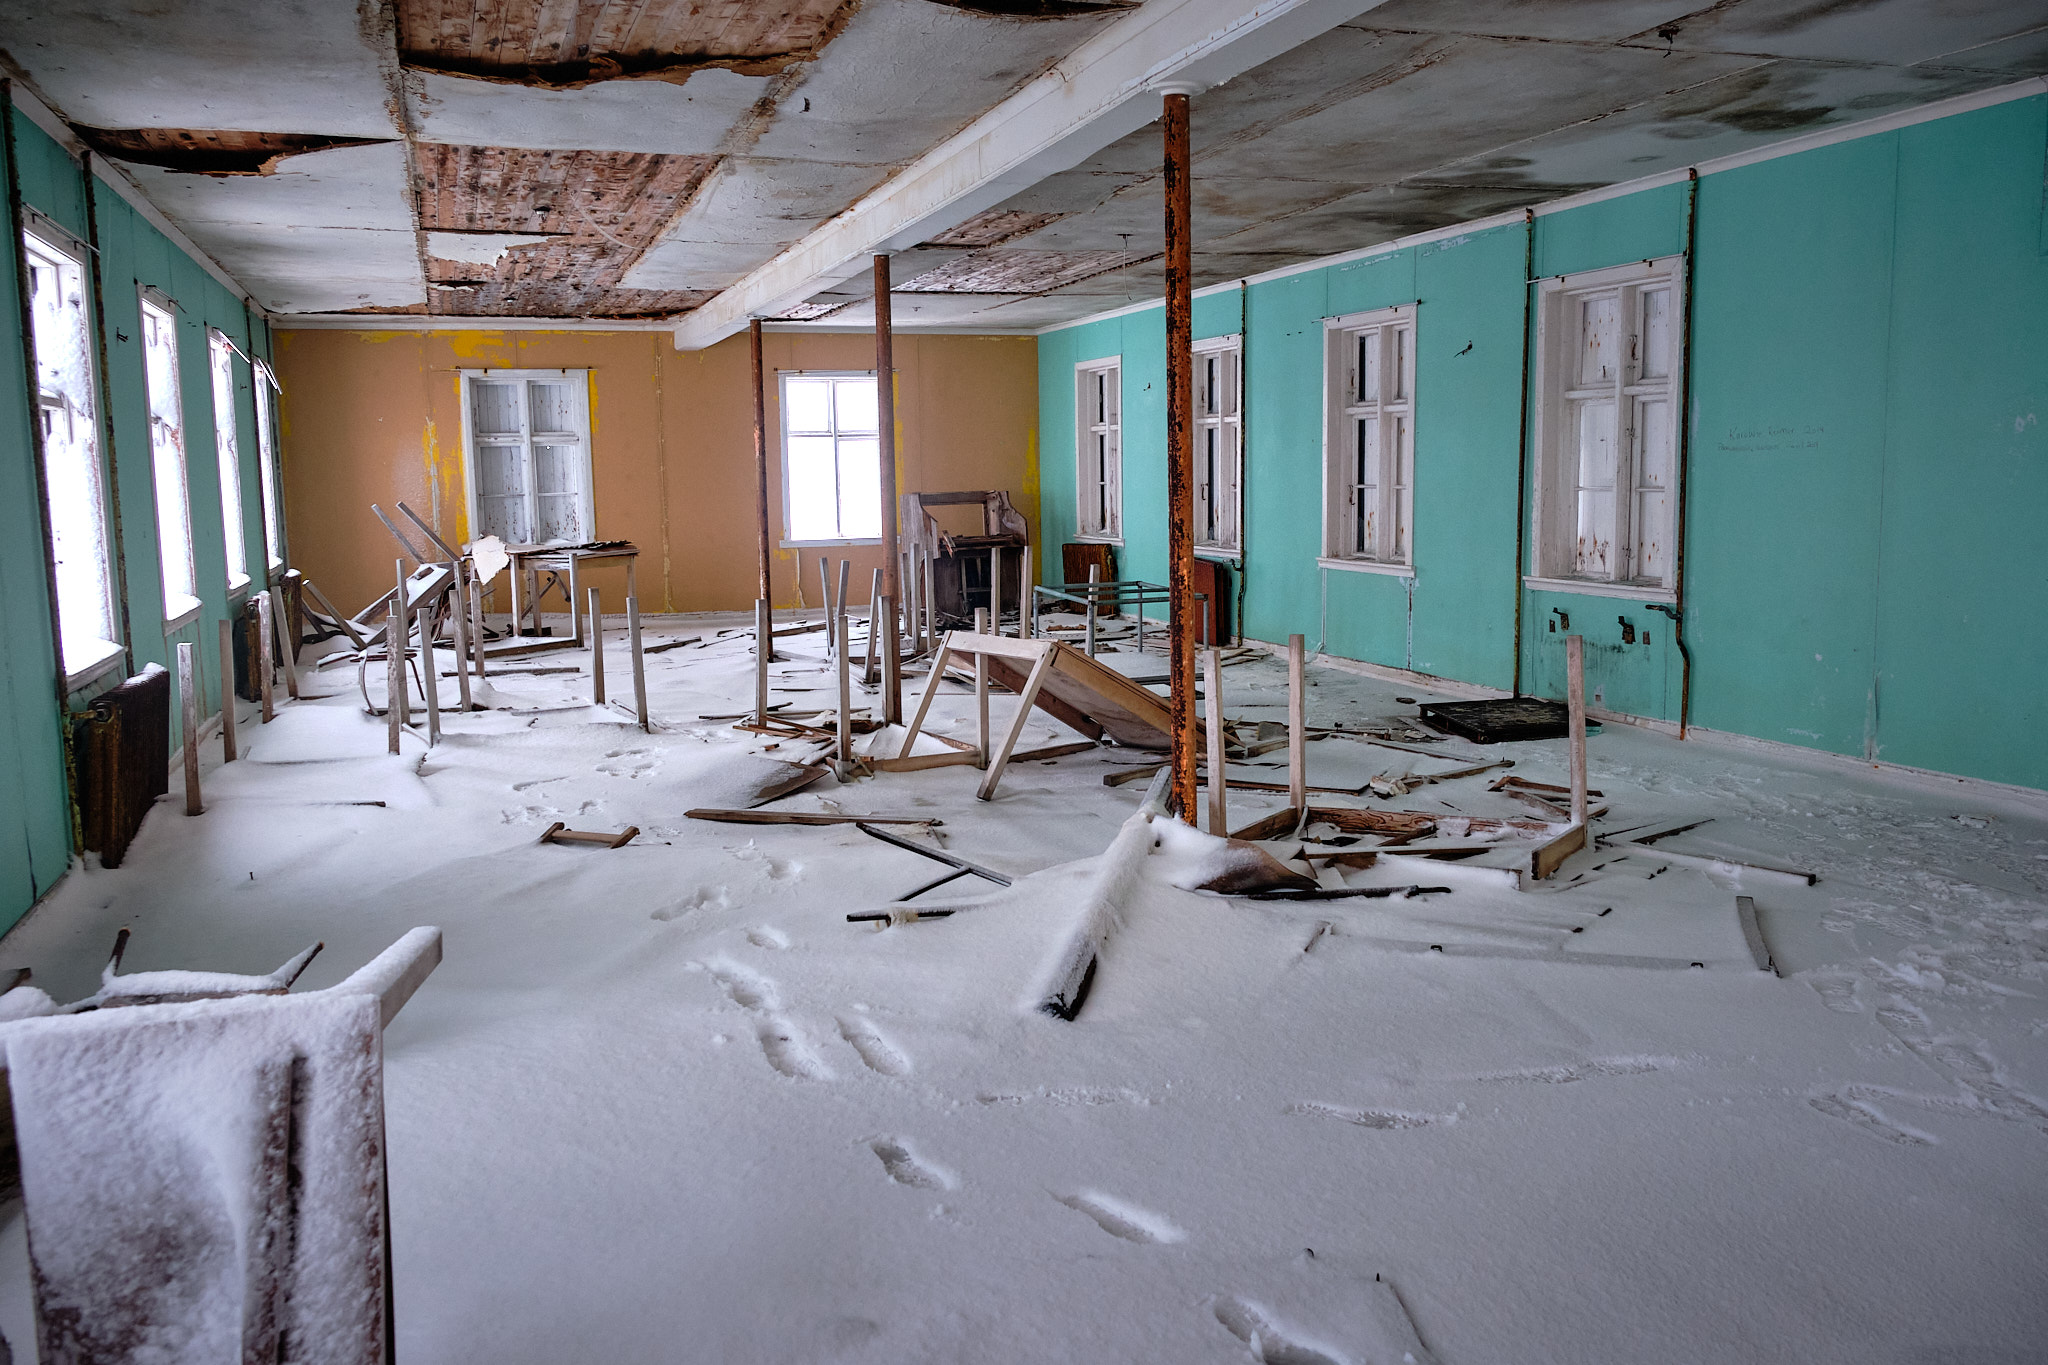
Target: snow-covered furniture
204 1181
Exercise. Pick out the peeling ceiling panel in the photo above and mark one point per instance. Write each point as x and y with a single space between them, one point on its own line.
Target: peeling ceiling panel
618 116
198 151
994 227
1013 272
297 66
573 43
319 270
595 212
906 75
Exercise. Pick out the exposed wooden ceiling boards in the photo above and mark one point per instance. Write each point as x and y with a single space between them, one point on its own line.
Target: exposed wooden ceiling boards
568 44
1015 272
995 226
597 210
207 151
810 311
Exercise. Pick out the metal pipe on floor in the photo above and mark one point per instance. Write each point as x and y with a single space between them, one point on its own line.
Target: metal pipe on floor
596 651
844 654
1094 582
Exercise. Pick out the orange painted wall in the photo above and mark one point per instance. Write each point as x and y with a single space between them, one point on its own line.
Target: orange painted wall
375 416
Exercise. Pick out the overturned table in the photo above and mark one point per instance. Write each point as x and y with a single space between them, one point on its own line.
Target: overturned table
530 561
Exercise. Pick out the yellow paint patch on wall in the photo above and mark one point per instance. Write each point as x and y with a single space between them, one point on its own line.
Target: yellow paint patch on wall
672 456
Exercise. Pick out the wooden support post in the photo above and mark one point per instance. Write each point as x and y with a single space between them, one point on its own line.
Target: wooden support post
981 627
401 640
1180 516
458 625
476 625
825 598
264 666
1094 581
188 700
394 670
1297 723
1027 602
844 654
885 423
760 455
639 661
1219 784
430 681
228 752
764 645
1575 684
867 673
596 652
287 647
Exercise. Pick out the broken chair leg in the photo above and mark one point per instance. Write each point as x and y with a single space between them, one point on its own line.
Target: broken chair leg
558 833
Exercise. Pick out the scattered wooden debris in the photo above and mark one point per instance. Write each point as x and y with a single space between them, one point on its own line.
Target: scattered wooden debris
180 987
893 917
1753 935
559 833
795 817
1327 893
961 867
667 645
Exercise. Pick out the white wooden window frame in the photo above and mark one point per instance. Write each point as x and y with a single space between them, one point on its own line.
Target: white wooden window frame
1219 418
269 473
169 463
1099 450
83 525
1559 388
227 447
782 380
1391 549
527 438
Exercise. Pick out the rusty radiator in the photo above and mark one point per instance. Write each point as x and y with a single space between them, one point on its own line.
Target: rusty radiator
122 751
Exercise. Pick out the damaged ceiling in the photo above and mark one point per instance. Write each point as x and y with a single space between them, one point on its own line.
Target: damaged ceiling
633 158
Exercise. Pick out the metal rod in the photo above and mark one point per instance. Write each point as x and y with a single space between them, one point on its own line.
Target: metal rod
476 625
1094 578
188 700
995 588
639 661
825 597
1297 723
458 621
448 551
892 659
1027 599
394 665
412 551
1180 555
596 652
760 452
936 855
839 612
885 419
844 653
399 642
1219 783
430 682
227 690
867 673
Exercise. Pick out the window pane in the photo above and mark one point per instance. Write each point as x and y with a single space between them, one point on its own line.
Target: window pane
554 468
1655 305
497 407
167 456
1369 367
502 517
813 489
227 450
555 485
1593 545
500 471
1399 378
1596 340
553 405
71 467
807 406
1653 534
558 520
1651 531
854 401
1402 474
266 469
860 488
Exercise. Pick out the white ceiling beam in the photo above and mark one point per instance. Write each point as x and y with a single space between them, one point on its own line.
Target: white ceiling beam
1105 89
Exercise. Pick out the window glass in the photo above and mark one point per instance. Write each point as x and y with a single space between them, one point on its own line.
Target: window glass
1098 447
227 450
266 467
167 458
529 457
832 458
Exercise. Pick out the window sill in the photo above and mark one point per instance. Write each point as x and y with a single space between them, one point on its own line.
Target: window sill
819 544
238 587
1585 587
1217 553
1368 566
109 658
181 611
1099 540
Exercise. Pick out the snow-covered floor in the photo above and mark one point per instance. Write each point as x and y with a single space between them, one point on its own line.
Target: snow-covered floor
664 1104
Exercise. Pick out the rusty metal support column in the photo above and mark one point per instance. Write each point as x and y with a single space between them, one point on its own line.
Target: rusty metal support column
885 418
1180 502
760 453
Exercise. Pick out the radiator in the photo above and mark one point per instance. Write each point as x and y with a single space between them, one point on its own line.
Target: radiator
122 753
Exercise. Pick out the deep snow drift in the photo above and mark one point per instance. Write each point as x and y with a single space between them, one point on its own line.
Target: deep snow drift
664 1104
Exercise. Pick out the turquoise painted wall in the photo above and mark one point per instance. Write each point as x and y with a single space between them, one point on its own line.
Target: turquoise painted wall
35 816
1868 467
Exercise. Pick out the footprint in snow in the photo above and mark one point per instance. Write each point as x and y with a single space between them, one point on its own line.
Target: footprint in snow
704 898
1579 1071
747 989
880 1055
1120 1218
790 1053
1370 1118
1270 1344
1841 1105
629 763
905 1167
767 936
